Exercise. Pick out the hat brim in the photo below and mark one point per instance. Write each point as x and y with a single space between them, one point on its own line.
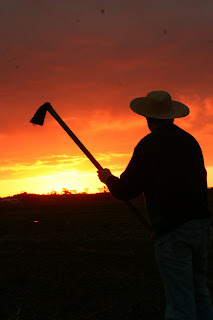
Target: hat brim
177 110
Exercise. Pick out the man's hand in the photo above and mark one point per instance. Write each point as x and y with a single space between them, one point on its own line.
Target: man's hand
104 174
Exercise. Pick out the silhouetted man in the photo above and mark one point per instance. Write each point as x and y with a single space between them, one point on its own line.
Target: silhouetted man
167 166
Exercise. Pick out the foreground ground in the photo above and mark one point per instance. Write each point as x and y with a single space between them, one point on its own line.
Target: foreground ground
84 259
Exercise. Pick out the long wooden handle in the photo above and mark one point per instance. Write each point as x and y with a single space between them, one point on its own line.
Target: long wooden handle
73 136
94 161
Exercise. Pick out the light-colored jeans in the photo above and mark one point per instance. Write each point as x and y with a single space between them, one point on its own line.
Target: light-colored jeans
182 259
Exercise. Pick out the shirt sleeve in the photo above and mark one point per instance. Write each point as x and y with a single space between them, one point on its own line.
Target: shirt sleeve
133 180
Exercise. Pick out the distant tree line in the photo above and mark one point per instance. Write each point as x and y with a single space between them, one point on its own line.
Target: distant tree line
65 197
70 196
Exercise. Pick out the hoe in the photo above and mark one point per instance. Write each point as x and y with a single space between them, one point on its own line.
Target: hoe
39 119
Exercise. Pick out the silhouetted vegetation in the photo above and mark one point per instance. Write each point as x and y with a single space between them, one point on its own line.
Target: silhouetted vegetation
54 198
71 196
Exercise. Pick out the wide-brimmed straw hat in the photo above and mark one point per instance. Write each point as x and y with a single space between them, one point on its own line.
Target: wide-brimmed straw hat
159 105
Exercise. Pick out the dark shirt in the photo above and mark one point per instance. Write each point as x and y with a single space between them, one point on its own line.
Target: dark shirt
167 166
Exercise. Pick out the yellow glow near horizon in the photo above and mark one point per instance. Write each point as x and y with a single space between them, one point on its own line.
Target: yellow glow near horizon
55 172
80 182
209 177
46 184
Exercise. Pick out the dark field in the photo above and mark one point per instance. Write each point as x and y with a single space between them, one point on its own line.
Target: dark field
87 258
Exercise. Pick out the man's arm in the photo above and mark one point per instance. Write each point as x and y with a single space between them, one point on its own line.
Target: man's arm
132 181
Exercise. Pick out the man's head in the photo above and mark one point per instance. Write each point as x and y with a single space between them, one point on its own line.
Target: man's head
154 124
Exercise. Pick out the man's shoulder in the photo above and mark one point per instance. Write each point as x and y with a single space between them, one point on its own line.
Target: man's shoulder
145 141
186 135
157 137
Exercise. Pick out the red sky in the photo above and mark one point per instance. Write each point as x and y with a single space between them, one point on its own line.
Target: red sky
89 59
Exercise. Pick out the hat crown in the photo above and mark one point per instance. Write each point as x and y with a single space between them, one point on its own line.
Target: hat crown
159 101
159 97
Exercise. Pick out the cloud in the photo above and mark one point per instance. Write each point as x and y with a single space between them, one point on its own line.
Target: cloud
103 120
201 114
56 165
50 165
199 123
130 41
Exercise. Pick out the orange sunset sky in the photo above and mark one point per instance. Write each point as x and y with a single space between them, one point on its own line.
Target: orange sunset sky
89 59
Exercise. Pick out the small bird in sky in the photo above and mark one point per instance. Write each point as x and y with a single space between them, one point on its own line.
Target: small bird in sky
103 11
165 32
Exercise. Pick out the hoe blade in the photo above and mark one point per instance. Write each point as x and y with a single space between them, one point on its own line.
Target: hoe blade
40 114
